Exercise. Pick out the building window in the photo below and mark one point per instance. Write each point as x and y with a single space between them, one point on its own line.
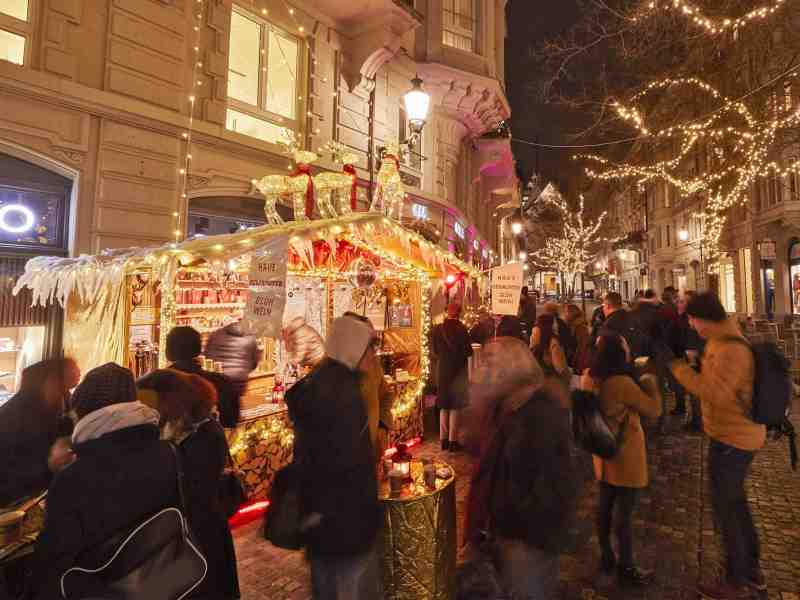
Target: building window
15 30
420 211
669 236
263 74
460 28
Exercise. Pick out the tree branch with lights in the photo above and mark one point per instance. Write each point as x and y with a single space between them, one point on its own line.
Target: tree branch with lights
571 252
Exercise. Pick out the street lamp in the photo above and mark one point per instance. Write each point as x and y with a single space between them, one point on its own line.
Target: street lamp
523 255
683 235
417 103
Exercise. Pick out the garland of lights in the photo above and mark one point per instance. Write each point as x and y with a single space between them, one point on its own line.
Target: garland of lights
737 157
710 24
572 252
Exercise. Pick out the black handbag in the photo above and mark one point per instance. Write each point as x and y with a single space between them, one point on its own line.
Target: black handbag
157 560
284 518
590 428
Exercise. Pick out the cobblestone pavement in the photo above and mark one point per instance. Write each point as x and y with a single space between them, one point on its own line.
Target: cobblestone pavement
670 536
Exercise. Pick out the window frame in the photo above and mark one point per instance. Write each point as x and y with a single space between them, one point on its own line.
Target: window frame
460 32
24 29
260 112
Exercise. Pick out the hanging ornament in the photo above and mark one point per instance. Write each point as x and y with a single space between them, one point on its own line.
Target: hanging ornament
273 186
364 274
389 194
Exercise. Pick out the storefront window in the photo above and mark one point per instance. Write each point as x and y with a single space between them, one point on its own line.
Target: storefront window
31 217
794 275
20 347
728 287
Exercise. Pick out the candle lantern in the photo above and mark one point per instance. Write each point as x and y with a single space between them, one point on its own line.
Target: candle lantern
402 461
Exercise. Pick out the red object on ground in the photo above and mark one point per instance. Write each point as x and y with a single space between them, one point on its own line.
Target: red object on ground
249 513
409 444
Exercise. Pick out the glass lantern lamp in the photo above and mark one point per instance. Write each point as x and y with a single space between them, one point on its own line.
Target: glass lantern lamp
402 461
417 102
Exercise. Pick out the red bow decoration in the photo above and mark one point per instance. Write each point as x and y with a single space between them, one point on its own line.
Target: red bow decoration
302 169
395 159
322 252
345 252
351 170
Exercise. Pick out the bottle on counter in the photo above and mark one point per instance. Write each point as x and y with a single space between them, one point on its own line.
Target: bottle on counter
277 392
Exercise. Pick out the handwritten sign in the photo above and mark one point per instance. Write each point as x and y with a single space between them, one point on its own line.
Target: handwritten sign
266 300
506 289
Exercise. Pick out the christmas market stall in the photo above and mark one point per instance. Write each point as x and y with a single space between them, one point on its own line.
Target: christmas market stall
121 304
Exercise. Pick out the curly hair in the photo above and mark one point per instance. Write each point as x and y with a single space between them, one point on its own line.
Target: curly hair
179 395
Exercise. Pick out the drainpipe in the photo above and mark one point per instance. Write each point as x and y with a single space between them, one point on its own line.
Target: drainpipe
371 139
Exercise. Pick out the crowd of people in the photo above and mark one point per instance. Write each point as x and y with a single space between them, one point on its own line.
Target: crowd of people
105 450
626 361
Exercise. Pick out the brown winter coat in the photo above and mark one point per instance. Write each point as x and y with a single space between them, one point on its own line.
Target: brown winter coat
725 389
621 397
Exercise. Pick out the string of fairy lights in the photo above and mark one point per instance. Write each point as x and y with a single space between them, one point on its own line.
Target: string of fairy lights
737 145
574 249
712 25
185 138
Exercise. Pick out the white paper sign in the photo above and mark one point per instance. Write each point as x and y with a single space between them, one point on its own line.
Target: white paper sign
506 289
266 300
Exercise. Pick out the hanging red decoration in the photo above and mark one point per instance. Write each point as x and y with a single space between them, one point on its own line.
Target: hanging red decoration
351 170
304 170
322 252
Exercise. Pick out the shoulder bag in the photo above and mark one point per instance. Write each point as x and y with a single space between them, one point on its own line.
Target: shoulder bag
283 522
590 428
157 560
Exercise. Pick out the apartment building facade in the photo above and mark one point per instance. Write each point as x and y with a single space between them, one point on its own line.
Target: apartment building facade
107 98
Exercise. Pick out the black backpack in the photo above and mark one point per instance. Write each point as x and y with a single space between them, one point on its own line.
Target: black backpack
773 390
773 387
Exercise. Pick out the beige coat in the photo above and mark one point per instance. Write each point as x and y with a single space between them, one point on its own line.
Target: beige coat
725 389
620 397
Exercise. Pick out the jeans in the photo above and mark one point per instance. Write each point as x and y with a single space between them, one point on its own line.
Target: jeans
728 468
448 424
346 577
625 501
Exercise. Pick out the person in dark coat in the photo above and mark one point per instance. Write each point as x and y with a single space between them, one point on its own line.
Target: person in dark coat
237 351
483 330
31 422
598 318
452 347
185 403
122 475
527 311
618 320
649 320
335 460
510 326
184 346
524 489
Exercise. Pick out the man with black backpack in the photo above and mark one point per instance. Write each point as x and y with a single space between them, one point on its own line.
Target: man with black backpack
728 388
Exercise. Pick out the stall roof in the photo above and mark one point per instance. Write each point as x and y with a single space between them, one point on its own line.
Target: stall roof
53 278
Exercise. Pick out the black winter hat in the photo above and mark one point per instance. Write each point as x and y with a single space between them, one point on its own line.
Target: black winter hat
103 386
183 343
706 306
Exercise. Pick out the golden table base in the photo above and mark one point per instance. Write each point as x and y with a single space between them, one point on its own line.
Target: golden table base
418 540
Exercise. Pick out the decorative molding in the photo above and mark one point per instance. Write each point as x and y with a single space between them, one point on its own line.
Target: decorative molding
74 158
196 181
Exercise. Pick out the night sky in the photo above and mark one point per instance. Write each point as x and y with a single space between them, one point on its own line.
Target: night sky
529 23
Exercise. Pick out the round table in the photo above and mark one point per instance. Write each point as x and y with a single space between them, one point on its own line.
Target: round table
418 540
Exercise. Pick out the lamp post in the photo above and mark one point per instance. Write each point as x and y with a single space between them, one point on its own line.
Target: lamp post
417 103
